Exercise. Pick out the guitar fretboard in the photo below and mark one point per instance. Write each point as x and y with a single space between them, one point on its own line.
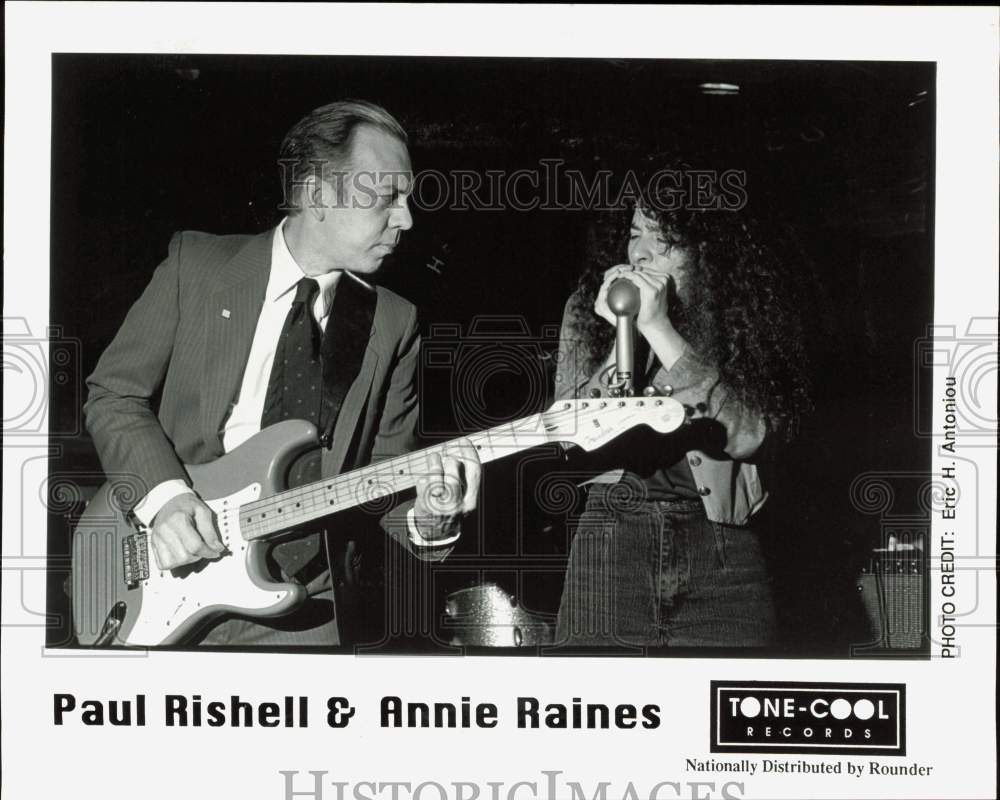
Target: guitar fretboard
271 515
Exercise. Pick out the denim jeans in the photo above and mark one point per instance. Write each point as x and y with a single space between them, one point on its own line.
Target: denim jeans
660 573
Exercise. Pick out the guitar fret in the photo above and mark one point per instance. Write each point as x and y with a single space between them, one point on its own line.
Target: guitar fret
587 423
370 483
263 517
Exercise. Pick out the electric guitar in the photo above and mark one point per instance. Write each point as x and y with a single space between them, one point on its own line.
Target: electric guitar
120 597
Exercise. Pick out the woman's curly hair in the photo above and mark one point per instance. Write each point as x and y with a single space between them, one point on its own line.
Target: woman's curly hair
742 309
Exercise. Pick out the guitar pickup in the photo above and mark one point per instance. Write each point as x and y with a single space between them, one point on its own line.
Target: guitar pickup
135 559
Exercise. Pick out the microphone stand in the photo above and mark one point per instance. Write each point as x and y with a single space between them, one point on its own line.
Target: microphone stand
623 300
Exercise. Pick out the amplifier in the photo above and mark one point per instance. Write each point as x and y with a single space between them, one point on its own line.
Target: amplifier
891 585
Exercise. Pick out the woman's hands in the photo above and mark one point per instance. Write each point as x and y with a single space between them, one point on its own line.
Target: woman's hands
653 320
653 298
601 303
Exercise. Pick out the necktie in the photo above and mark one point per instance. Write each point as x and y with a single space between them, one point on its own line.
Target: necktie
295 391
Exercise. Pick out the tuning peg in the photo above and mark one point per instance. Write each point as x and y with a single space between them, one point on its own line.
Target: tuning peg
595 392
650 391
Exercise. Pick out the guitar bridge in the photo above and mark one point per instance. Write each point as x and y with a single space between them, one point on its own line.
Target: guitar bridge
135 559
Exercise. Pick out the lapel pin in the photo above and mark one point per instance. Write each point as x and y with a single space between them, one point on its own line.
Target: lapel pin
226 313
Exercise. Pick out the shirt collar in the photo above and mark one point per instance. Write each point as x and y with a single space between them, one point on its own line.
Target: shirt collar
286 273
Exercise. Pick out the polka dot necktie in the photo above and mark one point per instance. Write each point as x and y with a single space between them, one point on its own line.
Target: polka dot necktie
295 391
295 388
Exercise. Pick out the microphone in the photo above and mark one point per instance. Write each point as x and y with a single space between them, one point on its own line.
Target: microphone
623 300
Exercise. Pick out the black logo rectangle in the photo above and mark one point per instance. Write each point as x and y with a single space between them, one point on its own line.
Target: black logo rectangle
784 717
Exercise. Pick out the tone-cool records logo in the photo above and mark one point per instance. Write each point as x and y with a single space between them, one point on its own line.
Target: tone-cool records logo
759 717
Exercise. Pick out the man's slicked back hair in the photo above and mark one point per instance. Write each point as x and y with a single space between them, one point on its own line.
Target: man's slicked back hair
323 137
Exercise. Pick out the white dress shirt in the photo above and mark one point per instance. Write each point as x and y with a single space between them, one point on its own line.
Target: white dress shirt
243 420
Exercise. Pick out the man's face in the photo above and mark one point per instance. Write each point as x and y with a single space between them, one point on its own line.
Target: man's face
363 221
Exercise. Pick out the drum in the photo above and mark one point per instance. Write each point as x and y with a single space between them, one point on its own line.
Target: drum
488 616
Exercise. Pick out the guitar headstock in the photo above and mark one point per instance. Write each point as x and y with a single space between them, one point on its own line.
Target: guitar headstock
592 423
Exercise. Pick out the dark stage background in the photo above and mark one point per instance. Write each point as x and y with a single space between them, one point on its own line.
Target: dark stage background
147 145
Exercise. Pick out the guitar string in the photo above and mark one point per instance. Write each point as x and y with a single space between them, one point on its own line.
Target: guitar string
308 492
392 476
386 478
303 503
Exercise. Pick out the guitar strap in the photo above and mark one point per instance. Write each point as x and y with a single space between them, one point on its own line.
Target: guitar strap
344 343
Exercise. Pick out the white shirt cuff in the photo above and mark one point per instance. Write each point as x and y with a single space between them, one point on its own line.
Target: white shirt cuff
420 541
147 508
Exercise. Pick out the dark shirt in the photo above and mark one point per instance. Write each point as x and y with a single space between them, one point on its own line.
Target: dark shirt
672 483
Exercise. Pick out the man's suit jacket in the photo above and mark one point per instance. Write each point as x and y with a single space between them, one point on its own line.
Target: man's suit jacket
187 340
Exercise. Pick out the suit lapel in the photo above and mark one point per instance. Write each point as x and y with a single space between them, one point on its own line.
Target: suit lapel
351 415
232 313
352 408
239 290
344 345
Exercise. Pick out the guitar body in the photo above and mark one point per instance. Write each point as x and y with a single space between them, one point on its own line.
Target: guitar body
119 595
121 598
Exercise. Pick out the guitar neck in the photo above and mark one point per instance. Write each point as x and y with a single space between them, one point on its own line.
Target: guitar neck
271 515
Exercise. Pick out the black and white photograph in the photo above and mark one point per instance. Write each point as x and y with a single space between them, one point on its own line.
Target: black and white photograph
398 395
711 300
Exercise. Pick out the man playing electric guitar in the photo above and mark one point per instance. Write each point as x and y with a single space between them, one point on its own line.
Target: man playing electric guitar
238 333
